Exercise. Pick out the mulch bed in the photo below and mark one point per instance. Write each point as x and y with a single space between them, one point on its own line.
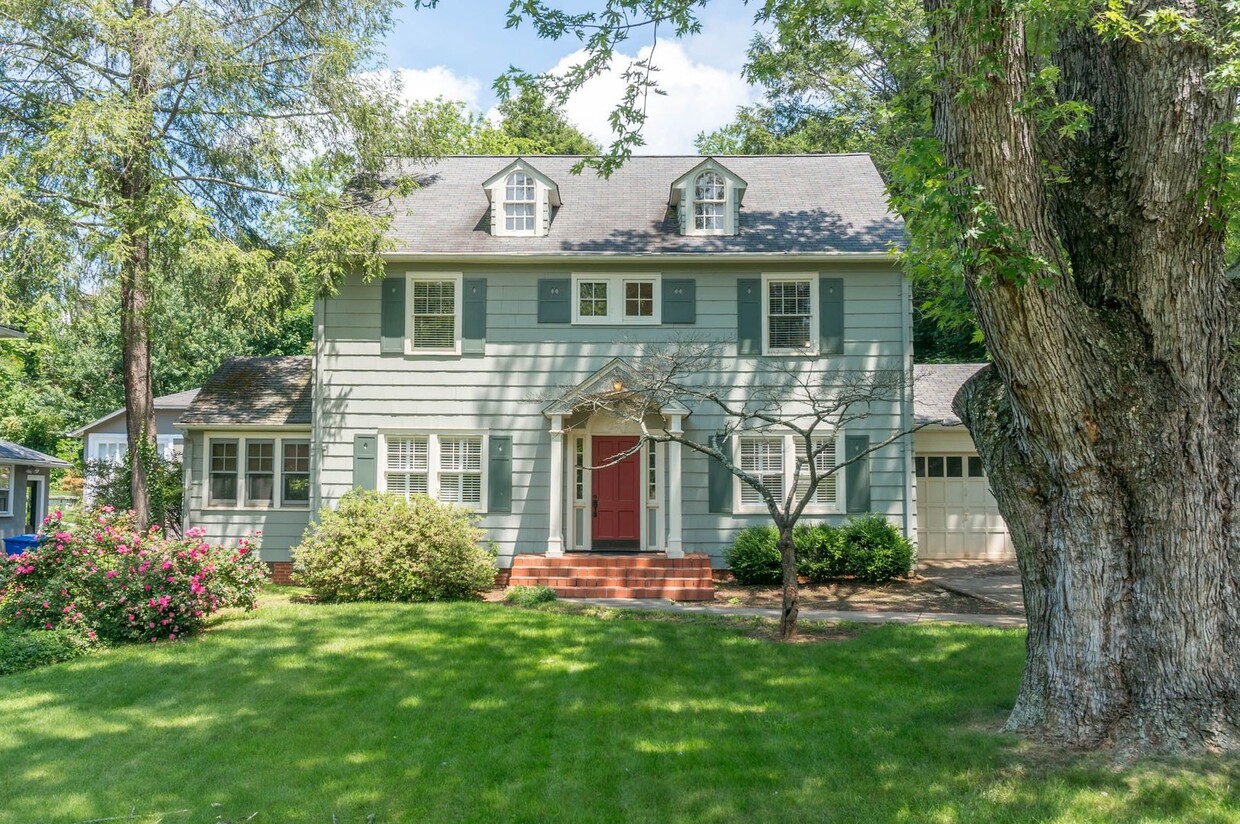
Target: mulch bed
903 595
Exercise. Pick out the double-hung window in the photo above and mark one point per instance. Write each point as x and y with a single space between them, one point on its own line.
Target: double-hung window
520 204
295 473
789 314
258 472
763 458
710 201
779 461
460 469
6 489
223 475
449 467
435 308
616 299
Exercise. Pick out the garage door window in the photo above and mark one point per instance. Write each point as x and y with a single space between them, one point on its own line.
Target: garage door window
948 466
975 467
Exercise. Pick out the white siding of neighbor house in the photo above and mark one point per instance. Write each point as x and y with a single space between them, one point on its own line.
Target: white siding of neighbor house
359 391
281 528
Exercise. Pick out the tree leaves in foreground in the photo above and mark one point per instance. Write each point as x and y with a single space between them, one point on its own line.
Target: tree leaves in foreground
231 146
1078 186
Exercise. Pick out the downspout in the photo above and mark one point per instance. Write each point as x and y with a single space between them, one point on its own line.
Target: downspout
316 407
906 414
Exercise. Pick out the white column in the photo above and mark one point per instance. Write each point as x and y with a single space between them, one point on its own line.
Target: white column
555 540
675 547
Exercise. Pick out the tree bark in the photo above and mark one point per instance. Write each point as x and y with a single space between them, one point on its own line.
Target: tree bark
791 595
1109 422
135 191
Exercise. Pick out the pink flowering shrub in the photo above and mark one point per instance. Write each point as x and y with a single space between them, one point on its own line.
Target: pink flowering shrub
115 584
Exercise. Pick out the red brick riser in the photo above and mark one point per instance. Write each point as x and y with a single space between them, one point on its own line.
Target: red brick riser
617 576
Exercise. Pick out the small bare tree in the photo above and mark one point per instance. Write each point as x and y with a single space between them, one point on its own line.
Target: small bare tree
812 400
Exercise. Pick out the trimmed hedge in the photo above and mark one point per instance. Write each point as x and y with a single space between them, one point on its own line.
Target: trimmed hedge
868 548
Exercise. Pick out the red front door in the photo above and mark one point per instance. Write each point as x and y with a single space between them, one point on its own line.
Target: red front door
617 494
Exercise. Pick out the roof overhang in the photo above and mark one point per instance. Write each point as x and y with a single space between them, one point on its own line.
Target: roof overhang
608 382
705 257
7 331
553 189
242 427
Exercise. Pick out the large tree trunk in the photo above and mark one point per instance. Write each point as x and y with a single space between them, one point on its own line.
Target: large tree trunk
1110 420
791 595
135 190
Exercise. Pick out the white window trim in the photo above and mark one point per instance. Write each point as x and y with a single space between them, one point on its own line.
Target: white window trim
414 277
499 195
277 503
790 465
164 442
689 197
8 512
433 469
615 298
815 310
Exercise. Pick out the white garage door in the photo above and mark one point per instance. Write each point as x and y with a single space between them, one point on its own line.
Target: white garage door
957 517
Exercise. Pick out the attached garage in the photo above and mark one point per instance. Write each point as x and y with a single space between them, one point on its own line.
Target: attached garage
957 516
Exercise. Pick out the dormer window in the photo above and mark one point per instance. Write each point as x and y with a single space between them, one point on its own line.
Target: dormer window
520 203
710 200
707 199
522 200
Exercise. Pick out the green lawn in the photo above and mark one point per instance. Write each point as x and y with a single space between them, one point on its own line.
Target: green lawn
487 713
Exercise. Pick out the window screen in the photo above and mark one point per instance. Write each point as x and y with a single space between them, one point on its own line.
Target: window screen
434 314
223 475
789 319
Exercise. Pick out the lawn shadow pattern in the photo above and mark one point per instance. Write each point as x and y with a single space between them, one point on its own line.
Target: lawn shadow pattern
477 712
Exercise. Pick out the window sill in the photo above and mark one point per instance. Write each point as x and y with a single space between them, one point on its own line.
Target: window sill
251 508
624 322
790 353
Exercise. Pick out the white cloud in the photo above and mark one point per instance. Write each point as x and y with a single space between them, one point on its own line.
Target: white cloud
700 98
437 81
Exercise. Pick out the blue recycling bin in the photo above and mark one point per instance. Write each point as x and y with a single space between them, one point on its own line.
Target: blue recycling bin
20 543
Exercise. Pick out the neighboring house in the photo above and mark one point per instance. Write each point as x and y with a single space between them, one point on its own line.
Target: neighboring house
957 516
512 280
24 488
7 331
106 439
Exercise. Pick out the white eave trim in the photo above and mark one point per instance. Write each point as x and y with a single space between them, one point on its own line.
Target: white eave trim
243 427
613 257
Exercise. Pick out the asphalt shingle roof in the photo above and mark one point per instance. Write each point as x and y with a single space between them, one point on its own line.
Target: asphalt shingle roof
934 388
793 204
253 391
13 453
177 400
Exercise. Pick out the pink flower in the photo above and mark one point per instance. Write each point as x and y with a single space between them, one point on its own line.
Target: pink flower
167 565
111 573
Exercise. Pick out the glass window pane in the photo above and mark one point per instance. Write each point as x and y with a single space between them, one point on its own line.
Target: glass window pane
920 465
975 467
639 299
955 466
434 314
934 466
592 299
789 314
223 488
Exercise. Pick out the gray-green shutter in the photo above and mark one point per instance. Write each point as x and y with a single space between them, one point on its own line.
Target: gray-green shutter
365 449
857 473
499 474
474 316
831 319
679 300
554 296
749 316
392 316
719 479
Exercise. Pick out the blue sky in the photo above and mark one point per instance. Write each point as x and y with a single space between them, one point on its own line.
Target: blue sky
458 49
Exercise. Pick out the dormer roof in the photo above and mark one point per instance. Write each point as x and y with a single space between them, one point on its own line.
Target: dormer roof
683 183
496 180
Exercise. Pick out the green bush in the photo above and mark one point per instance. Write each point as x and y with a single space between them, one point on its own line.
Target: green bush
381 547
109 486
754 556
821 552
523 596
23 649
875 551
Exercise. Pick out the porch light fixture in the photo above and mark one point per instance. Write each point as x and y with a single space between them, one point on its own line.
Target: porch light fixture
617 385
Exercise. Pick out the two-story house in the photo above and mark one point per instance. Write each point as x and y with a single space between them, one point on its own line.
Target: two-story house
512 282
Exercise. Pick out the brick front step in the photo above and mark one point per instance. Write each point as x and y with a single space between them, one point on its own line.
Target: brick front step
617 576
